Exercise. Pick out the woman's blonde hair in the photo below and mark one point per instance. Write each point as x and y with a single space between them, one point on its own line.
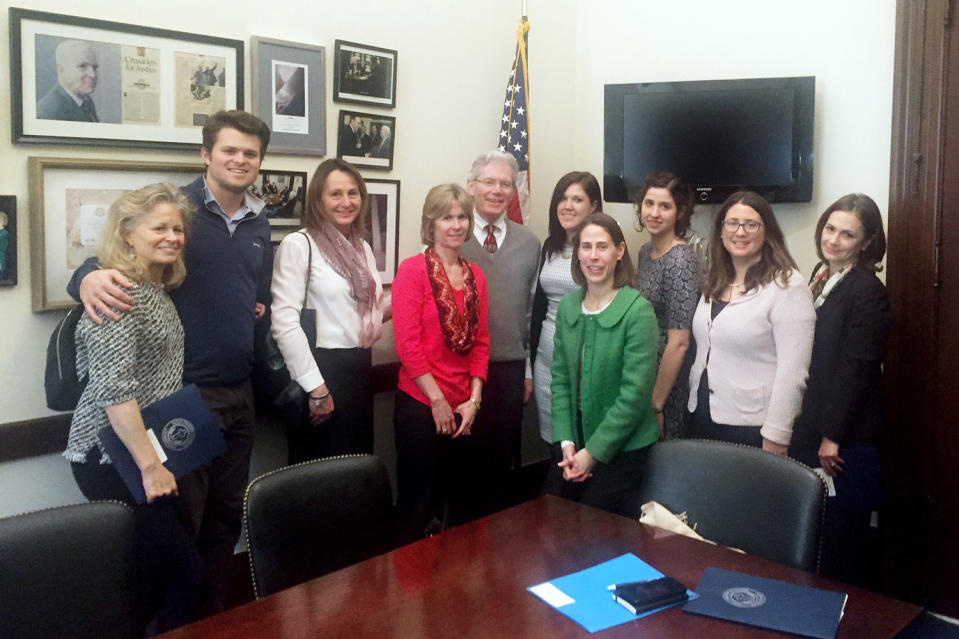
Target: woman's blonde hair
439 201
125 215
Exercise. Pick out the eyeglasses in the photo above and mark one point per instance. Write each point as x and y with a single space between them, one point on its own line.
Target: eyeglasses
490 183
751 226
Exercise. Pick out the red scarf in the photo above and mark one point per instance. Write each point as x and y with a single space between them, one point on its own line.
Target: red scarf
459 329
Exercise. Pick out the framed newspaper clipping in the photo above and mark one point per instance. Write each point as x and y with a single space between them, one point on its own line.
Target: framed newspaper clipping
80 80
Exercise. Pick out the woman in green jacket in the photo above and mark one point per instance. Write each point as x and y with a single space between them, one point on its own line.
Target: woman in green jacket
604 369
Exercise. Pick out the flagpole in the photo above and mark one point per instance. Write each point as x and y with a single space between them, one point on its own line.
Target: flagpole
524 10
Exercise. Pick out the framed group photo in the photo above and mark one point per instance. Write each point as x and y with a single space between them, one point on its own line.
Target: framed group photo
79 80
289 94
69 201
382 225
364 74
285 195
366 139
8 240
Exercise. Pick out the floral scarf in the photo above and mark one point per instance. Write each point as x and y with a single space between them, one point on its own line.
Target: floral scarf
459 329
347 258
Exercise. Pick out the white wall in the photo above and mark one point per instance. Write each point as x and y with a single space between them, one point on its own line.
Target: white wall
453 64
847 45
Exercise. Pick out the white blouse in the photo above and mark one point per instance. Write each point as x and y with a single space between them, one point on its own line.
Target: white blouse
338 319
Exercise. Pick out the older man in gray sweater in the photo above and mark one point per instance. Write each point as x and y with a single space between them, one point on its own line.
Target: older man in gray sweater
508 254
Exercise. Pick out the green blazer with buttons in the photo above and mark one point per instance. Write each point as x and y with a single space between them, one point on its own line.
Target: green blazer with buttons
605 364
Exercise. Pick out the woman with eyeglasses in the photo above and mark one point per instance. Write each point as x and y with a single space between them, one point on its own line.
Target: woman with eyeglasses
668 274
753 329
842 412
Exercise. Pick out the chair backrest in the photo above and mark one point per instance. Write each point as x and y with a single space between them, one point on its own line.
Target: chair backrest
309 519
767 505
70 572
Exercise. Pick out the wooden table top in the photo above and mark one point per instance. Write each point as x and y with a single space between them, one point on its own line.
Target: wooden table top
471 582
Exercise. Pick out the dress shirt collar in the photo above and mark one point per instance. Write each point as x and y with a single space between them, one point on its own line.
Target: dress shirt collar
251 207
479 228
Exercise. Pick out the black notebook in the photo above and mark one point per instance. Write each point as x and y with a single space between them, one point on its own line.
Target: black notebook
183 431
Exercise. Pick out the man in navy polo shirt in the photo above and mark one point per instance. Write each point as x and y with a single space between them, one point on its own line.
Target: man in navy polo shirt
229 262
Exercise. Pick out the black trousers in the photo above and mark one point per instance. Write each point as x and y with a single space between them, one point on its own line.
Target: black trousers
613 486
171 570
498 432
434 473
213 494
700 424
348 373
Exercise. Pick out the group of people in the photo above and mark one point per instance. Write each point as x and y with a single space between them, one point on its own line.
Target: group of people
739 349
183 275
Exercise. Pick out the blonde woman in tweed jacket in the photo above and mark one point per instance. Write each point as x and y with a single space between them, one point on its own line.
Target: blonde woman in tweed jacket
133 362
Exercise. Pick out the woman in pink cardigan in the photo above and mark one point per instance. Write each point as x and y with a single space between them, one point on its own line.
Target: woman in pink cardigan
442 340
753 329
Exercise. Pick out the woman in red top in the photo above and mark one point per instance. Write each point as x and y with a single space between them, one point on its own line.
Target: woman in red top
442 340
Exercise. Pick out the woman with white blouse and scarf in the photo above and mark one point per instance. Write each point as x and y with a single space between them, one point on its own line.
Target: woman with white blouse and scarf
347 293
753 329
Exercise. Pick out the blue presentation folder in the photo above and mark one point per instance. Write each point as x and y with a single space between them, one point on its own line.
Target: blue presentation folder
768 603
593 606
185 429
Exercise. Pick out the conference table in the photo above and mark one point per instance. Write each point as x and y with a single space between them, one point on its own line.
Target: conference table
471 580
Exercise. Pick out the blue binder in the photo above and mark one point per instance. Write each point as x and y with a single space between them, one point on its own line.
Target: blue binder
183 427
584 597
768 603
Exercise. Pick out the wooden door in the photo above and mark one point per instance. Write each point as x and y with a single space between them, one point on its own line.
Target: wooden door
921 443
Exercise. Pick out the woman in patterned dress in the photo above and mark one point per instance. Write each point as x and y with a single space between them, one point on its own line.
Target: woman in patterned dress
133 362
576 195
668 274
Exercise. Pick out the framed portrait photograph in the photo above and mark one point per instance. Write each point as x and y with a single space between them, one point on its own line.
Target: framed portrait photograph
69 202
366 139
8 240
364 74
382 225
285 195
289 94
79 80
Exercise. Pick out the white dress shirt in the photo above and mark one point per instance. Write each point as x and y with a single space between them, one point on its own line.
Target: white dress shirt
338 320
479 228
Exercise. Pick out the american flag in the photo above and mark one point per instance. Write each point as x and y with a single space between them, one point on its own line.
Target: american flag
514 132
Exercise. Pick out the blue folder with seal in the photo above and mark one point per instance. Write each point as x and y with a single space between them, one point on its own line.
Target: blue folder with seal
768 603
585 598
183 431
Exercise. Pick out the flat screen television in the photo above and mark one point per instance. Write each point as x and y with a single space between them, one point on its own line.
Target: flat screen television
720 136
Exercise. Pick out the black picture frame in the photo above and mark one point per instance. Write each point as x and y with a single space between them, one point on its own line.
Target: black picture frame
365 147
285 195
364 74
385 213
299 126
153 88
8 240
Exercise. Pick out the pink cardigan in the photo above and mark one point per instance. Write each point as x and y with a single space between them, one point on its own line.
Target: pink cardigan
758 349
419 339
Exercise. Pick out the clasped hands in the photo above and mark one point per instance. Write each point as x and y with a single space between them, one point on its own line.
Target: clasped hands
443 417
577 465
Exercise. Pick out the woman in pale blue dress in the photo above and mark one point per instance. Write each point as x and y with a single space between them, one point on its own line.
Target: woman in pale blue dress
576 195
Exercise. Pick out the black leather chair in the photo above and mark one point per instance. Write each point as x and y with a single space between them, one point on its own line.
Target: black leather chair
69 572
742 497
309 519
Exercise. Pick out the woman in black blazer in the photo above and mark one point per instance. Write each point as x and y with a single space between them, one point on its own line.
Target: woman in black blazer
842 412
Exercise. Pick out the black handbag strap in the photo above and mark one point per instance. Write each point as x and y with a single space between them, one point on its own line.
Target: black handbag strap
309 266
